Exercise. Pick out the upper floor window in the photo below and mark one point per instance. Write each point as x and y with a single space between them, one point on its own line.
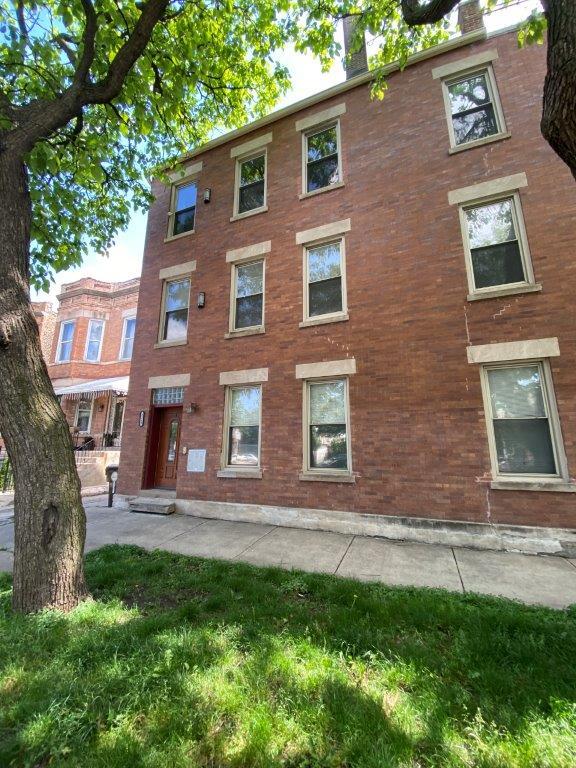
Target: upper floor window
183 209
248 301
94 341
174 324
322 157
250 184
325 292
64 351
474 109
128 333
496 244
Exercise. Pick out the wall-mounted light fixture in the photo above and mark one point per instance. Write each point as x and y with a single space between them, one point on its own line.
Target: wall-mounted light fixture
192 408
207 194
201 300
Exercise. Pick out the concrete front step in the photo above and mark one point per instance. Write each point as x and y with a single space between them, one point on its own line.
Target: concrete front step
153 505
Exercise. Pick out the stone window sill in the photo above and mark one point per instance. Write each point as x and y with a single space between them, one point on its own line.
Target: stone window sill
248 474
558 486
162 344
247 214
499 292
315 192
177 237
479 142
327 478
244 332
324 320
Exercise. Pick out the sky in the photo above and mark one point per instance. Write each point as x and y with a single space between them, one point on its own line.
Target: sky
124 260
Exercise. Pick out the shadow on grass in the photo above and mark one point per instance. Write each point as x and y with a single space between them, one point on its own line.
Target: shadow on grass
187 662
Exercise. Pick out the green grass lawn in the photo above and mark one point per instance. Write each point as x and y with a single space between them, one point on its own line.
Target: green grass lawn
187 662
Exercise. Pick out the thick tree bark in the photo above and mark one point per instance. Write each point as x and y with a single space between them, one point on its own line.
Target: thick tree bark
50 524
559 104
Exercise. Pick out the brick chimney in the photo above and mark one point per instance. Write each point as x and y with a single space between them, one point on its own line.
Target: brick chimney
356 58
470 16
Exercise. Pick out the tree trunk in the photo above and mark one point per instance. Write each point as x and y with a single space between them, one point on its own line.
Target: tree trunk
559 105
49 520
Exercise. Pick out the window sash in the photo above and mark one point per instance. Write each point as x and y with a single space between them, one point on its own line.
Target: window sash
310 426
65 344
241 188
128 335
169 314
521 240
232 425
177 216
94 341
549 417
310 163
83 415
492 105
236 299
309 282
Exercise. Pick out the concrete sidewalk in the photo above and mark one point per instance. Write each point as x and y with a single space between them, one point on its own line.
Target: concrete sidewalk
539 580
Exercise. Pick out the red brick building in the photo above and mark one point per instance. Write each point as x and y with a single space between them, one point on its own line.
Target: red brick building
89 357
358 312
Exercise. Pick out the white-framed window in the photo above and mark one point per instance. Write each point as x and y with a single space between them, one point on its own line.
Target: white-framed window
83 418
473 107
322 162
324 280
94 341
182 216
242 426
247 308
495 244
522 421
65 341
128 333
327 427
251 185
175 306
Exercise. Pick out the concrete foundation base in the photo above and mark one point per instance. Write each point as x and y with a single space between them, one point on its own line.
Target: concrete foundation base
503 538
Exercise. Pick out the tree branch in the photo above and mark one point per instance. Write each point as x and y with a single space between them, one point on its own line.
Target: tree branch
415 14
21 20
88 44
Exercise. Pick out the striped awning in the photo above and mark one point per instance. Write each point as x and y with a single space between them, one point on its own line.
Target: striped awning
89 390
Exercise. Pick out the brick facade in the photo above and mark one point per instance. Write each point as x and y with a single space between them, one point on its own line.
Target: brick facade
418 430
81 301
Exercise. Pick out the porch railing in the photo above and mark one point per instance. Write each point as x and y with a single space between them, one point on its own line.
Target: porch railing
96 442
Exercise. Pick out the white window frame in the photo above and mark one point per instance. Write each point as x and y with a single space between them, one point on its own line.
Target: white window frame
518 219
307 470
313 130
239 468
184 182
551 409
90 322
330 316
162 342
71 342
87 430
232 330
123 338
237 177
494 100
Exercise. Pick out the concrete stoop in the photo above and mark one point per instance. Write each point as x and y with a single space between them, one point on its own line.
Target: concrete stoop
503 538
152 505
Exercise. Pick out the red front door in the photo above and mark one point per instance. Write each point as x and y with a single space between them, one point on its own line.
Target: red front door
169 421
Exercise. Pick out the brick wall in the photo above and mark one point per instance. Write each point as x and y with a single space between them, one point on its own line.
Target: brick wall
418 430
46 319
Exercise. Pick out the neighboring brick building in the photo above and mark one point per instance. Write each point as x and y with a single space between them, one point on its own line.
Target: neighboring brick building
368 312
89 358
